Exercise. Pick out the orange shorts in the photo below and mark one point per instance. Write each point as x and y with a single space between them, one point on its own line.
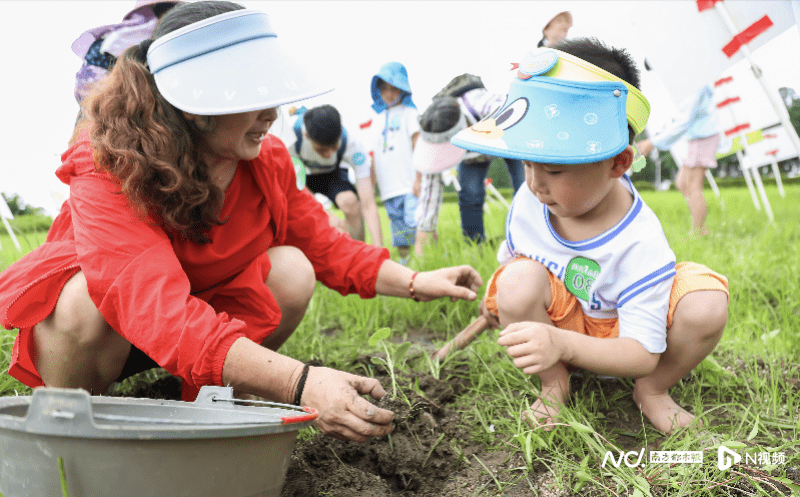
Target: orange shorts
566 313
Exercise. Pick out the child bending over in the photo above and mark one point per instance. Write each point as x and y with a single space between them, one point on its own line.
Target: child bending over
588 279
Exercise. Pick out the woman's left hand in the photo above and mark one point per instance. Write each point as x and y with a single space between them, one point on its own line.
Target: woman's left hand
460 282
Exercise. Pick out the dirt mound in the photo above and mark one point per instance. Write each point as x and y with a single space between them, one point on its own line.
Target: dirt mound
429 453
419 457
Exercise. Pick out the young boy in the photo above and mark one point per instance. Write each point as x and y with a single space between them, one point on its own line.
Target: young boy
394 133
588 279
326 149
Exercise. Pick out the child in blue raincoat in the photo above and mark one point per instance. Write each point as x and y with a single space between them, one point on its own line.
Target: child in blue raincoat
391 136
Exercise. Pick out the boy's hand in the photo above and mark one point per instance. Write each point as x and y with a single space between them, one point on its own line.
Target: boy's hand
534 346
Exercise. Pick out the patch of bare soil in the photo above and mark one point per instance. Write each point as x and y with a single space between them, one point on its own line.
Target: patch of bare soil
428 454
432 451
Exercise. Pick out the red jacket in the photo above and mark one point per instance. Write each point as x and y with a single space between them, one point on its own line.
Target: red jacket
181 303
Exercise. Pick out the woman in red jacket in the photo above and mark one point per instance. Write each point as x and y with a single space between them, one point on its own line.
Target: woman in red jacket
186 242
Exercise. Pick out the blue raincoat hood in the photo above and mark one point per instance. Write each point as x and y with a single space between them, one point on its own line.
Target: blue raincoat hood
395 74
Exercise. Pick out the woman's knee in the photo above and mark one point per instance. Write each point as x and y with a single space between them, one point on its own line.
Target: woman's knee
291 278
522 287
75 315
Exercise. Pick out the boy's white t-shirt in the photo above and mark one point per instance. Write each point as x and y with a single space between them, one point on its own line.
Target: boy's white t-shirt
392 152
624 273
354 155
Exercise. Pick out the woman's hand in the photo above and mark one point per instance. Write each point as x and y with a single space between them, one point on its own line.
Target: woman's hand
534 346
343 413
460 282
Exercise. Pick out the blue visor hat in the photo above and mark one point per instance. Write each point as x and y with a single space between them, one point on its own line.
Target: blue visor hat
559 110
227 64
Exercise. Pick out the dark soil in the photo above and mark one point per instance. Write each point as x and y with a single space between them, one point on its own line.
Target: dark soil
432 451
419 458
429 453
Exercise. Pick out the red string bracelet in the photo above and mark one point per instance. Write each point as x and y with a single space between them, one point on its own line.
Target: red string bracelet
411 287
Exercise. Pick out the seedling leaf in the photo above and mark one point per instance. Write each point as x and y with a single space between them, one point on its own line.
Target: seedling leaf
581 427
401 352
379 335
754 431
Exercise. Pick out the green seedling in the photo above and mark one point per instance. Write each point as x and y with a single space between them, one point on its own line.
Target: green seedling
392 360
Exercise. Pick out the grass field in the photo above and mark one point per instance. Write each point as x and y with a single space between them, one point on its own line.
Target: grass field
746 392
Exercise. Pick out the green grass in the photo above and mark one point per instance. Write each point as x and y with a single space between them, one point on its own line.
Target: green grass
746 392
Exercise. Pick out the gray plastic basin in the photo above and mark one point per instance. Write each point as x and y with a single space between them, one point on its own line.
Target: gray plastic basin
141 447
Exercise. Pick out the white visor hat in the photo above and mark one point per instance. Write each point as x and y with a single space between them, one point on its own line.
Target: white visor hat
227 64
434 153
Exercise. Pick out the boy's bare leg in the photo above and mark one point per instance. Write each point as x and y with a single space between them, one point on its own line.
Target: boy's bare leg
424 238
697 327
690 183
523 294
404 252
554 394
348 203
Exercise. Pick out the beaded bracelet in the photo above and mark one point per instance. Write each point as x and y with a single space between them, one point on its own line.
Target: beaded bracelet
411 287
300 385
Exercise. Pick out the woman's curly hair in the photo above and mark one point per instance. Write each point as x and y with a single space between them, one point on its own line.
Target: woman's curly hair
148 145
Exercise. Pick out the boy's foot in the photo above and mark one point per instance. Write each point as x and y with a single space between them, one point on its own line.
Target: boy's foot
543 413
663 412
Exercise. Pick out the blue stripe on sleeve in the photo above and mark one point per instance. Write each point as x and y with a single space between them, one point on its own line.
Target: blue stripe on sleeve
509 241
648 281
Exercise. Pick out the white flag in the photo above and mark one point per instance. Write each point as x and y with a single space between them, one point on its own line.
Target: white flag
5 212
